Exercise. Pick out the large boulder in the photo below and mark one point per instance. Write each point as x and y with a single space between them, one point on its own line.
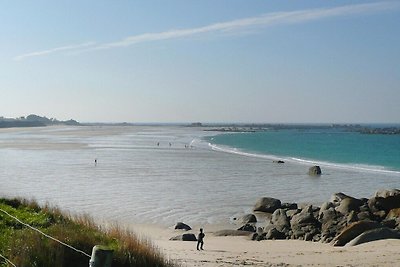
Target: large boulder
267 204
304 224
184 237
386 204
248 218
349 204
306 216
314 171
375 234
353 230
182 226
280 219
336 198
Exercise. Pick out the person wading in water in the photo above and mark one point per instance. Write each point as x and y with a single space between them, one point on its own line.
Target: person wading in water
200 238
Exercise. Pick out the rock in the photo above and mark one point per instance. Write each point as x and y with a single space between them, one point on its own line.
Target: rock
248 218
291 213
336 198
248 227
353 230
184 237
314 171
389 203
258 237
280 220
275 234
304 217
305 222
326 206
254 236
332 223
349 204
268 227
373 235
389 223
387 193
182 226
386 204
364 215
278 161
379 215
352 217
289 206
393 214
232 233
267 204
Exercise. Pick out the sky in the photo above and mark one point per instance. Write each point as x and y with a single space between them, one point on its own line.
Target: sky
201 61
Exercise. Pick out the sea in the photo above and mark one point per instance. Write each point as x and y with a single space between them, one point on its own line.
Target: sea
163 174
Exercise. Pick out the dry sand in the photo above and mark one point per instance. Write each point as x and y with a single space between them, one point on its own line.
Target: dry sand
240 251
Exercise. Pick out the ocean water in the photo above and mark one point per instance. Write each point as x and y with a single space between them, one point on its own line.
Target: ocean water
166 174
333 146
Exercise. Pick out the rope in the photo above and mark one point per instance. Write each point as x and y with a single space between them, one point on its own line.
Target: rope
7 260
46 235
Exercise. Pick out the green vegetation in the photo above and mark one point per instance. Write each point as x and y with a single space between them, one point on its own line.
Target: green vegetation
27 248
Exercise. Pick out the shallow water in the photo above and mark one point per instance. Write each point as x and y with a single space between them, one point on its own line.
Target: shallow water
137 181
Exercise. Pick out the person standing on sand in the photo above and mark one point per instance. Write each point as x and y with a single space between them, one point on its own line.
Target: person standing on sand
200 238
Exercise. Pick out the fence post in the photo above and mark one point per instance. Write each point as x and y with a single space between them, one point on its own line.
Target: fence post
101 257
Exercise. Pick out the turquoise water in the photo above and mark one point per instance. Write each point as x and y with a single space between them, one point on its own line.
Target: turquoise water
332 146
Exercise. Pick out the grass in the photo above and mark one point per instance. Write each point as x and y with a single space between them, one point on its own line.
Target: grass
28 248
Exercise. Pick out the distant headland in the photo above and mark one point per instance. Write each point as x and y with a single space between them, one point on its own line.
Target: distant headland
33 121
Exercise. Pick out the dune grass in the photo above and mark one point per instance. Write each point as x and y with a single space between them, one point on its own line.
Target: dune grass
28 248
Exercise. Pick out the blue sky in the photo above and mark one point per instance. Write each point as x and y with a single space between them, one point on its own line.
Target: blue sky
208 61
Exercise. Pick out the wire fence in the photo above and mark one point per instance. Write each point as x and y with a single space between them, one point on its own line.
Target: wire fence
7 260
40 232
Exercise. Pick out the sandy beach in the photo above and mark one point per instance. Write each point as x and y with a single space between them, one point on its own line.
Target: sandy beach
241 251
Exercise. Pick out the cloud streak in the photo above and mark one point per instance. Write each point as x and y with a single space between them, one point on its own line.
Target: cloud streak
234 26
54 50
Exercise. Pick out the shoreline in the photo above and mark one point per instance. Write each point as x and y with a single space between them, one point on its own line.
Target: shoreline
344 231
241 251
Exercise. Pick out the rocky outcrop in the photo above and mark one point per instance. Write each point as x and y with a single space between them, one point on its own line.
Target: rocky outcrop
280 220
305 225
267 204
338 221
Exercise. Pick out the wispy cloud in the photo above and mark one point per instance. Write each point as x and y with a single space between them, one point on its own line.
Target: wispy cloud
234 26
54 50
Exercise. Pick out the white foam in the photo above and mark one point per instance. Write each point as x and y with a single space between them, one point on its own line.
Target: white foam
342 166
